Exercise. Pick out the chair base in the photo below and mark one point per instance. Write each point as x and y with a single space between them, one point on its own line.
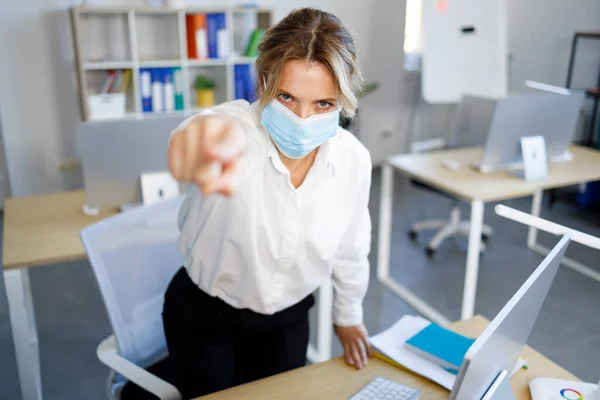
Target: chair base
447 228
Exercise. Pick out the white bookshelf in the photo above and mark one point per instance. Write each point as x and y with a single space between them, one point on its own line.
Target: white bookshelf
132 38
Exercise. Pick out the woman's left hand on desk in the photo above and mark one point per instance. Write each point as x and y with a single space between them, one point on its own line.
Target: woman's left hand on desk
356 345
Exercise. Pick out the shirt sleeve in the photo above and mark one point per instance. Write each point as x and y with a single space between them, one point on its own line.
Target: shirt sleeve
351 264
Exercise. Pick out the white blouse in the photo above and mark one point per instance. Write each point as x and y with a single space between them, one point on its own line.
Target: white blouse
270 245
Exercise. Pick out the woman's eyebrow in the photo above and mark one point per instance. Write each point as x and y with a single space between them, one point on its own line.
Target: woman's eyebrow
329 99
283 91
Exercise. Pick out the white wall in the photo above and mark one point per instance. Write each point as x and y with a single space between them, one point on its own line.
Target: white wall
540 35
384 114
37 93
4 186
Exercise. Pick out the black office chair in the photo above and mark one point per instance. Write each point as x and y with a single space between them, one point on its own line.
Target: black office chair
469 127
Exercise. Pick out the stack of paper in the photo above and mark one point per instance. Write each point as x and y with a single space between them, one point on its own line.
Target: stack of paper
391 343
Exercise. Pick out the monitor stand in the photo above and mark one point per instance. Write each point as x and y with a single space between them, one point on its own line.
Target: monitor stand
500 389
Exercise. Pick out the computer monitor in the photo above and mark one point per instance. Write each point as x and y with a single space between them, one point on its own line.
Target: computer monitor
552 116
489 362
115 154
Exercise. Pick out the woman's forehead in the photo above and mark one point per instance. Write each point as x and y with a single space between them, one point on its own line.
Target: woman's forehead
307 80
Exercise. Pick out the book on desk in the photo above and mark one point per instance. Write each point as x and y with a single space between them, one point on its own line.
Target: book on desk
433 352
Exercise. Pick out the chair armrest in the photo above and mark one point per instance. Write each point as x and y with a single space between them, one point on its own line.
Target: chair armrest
109 356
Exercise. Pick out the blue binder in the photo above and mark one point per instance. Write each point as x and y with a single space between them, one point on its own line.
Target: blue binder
158 104
214 23
239 82
245 85
146 89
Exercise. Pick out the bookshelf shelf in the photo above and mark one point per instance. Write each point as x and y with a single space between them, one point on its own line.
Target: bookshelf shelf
113 40
207 63
159 63
195 110
101 65
244 60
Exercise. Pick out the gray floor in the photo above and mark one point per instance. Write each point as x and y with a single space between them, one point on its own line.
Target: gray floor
71 318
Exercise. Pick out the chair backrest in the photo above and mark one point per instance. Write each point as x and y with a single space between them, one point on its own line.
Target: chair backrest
134 255
471 122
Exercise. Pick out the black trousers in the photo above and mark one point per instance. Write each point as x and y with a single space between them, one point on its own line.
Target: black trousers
213 346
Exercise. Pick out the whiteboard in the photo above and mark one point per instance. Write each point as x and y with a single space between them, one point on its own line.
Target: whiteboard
464 49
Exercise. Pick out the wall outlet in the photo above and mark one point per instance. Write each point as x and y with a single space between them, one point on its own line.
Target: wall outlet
386 134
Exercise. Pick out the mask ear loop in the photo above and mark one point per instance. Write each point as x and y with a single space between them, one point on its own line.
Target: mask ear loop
265 82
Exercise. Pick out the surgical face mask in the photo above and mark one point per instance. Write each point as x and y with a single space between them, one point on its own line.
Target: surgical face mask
296 137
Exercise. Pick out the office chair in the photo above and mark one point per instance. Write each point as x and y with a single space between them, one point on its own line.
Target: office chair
470 126
134 255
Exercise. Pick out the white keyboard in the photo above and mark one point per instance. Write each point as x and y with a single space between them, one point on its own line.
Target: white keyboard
383 389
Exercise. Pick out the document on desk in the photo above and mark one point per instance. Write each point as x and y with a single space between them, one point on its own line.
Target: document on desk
391 342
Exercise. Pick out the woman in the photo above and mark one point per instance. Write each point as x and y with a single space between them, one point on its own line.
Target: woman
280 204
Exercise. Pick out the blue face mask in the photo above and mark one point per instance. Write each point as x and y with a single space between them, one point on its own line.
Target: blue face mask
296 137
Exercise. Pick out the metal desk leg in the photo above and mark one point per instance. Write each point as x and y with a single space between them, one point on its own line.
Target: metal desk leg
536 206
24 331
383 251
470 288
385 221
325 326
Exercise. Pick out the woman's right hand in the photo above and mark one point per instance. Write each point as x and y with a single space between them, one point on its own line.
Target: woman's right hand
208 152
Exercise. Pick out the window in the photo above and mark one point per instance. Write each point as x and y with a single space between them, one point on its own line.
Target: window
412 36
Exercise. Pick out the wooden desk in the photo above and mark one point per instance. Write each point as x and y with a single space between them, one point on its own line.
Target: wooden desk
475 188
41 230
335 380
38 230
468 184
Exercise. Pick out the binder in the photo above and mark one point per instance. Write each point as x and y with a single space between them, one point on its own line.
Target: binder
252 49
116 83
178 83
251 83
168 89
108 82
146 89
125 81
218 37
157 90
197 38
245 87
239 82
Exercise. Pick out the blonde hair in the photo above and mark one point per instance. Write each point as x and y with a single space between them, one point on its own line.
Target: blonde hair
315 36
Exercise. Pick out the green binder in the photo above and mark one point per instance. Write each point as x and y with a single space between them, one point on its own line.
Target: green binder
178 84
252 49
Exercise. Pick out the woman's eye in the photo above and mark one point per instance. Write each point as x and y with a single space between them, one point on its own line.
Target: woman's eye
285 97
324 104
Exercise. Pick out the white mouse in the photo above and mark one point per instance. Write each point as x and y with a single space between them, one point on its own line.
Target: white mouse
451 164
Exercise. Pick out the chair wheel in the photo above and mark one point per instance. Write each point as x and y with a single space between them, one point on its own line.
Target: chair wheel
429 252
485 238
412 235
